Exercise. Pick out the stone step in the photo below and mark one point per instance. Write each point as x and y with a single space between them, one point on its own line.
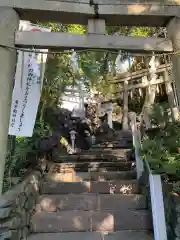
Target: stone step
89 176
114 145
121 235
97 155
119 153
124 134
106 221
122 187
94 167
89 202
128 235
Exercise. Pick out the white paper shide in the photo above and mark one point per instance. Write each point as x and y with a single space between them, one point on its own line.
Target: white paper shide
27 89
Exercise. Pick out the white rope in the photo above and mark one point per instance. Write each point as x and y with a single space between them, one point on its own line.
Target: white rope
74 62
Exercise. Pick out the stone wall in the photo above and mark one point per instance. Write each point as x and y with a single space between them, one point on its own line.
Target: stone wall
16 207
172 210
176 214
169 210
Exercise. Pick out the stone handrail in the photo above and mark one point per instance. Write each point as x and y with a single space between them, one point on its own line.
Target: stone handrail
157 201
137 145
16 207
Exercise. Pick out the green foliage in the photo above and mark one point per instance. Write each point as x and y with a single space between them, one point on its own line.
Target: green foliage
58 76
143 31
16 163
161 146
93 65
160 114
160 156
76 28
21 155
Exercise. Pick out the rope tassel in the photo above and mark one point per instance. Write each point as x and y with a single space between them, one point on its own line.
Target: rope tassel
157 88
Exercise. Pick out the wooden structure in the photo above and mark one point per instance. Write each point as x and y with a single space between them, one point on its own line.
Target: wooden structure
142 77
124 85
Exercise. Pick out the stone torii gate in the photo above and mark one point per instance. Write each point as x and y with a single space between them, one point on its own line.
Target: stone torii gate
94 13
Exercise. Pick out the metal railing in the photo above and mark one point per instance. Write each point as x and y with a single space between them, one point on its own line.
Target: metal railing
157 202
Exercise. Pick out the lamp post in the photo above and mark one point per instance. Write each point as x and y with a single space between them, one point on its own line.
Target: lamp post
73 138
109 109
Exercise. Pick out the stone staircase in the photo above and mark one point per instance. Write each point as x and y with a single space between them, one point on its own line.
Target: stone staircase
92 195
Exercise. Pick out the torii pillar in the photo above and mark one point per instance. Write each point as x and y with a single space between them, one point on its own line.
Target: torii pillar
173 29
9 23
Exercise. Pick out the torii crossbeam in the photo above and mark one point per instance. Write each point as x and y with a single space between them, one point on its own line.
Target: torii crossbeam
92 41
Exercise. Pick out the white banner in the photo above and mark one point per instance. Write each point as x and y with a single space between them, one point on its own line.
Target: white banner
27 89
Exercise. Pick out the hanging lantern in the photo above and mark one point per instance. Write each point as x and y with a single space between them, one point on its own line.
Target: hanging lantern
74 62
123 63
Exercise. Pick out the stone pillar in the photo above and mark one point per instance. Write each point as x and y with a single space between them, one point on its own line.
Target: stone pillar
9 23
109 110
96 26
173 29
73 138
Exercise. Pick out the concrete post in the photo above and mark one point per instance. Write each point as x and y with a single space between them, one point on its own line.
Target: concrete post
9 23
173 29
